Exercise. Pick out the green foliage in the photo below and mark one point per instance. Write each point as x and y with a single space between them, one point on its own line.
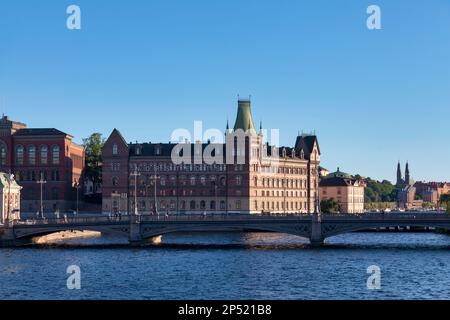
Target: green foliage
329 206
93 146
428 205
377 191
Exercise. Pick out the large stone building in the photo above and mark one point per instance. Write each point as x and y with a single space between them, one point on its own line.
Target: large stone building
47 154
9 198
242 175
345 189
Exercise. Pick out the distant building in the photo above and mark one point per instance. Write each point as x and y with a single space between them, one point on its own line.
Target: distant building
323 172
432 191
345 189
32 154
9 198
254 186
406 192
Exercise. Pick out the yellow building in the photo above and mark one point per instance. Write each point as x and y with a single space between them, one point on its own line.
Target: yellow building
345 189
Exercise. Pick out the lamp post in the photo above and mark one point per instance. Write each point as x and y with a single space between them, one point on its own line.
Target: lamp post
135 174
41 182
155 178
77 187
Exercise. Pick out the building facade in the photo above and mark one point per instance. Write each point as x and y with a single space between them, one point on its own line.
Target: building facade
244 174
345 189
41 154
432 191
9 198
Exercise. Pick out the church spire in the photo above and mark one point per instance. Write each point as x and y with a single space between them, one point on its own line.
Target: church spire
399 174
407 176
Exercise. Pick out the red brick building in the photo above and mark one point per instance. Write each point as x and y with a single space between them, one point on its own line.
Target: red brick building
261 183
47 153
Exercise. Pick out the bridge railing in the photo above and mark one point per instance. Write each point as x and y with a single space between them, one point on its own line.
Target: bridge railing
232 217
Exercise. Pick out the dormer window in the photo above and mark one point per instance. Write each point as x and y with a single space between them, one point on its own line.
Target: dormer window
158 151
138 150
115 150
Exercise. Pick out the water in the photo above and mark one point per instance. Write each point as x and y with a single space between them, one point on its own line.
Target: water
234 266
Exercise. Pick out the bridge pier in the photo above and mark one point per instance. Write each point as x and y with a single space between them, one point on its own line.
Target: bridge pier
316 239
8 238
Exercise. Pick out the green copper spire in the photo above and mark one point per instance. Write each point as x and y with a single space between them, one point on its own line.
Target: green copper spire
244 119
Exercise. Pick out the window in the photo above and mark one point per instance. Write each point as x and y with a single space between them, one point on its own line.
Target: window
192 181
55 194
19 155
3 154
212 205
202 204
203 180
115 150
115 181
238 180
183 205
44 154
55 154
238 204
192 205
31 155
222 205
55 175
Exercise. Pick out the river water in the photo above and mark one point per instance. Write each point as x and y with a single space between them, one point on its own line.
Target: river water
233 266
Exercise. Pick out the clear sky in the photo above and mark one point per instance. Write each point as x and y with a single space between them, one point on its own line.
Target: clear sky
149 67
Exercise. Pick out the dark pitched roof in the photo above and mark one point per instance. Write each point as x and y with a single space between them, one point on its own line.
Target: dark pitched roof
306 142
40 132
336 182
165 149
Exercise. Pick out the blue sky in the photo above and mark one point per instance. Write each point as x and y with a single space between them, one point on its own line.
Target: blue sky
149 67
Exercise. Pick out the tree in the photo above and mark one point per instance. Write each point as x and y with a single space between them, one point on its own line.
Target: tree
329 206
93 147
445 198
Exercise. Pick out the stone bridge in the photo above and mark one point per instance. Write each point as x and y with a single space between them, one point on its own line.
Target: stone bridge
139 229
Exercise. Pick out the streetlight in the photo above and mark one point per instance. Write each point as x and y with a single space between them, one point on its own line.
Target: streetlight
41 182
77 187
135 174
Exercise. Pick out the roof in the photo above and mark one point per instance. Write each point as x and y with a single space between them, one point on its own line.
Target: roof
337 182
339 174
40 132
165 149
244 120
306 143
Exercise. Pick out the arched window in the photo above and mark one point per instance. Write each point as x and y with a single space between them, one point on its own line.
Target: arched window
203 180
44 154
222 205
223 181
115 149
19 155
3 153
202 204
55 154
115 181
183 205
31 155
193 181
192 205
212 205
